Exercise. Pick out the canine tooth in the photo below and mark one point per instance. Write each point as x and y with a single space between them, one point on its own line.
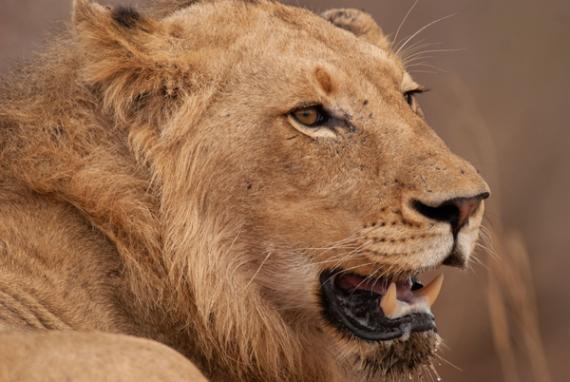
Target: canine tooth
389 302
431 291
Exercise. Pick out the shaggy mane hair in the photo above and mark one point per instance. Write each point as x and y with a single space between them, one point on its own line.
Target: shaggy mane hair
92 141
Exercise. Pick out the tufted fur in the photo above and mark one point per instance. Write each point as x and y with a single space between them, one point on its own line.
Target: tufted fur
150 184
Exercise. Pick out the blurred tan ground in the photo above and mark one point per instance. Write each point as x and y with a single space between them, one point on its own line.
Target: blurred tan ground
501 101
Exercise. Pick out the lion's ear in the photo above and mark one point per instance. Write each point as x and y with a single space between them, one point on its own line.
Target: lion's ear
111 40
125 55
360 24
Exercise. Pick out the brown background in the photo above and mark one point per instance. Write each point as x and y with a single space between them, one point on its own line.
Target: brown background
500 100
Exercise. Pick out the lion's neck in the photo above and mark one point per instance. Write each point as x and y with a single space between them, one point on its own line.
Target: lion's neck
54 141
63 147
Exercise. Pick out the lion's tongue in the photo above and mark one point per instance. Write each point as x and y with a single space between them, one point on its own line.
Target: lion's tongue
352 282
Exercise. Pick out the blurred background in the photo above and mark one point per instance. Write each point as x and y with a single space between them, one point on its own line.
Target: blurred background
498 74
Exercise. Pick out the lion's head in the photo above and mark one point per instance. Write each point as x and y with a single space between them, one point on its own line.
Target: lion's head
295 189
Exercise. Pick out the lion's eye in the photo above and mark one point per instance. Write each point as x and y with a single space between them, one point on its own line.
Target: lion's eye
410 96
313 121
312 116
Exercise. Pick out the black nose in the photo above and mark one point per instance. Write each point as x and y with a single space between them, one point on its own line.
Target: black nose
455 211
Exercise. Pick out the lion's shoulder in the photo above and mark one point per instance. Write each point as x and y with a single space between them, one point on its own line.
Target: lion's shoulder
86 357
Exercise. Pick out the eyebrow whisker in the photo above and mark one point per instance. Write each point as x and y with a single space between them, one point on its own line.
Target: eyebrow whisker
399 49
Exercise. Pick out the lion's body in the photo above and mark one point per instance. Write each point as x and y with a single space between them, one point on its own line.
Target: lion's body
84 357
59 272
121 211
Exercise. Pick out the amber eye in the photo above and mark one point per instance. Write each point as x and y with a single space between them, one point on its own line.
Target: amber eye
311 116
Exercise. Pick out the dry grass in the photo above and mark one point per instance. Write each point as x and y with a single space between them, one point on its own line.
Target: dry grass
513 309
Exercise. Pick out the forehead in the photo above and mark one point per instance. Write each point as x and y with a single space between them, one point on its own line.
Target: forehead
284 34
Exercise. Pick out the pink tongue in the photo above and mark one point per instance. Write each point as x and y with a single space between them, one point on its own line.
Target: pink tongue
352 282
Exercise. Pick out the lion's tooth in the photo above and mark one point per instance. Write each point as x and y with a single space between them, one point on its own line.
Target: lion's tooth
389 302
430 292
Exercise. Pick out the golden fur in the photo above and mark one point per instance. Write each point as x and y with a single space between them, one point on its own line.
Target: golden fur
152 185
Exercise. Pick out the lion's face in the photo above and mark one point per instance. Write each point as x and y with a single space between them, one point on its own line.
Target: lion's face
342 189
310 144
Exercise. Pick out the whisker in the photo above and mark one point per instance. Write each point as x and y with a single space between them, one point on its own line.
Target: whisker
480 263
424 71
415 48
336 260
404 21
489 250
365 279
346 270
340 244
428 53
422 65
399 49
258 269
441 358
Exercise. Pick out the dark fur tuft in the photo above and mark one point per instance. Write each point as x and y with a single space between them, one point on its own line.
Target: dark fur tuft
126 16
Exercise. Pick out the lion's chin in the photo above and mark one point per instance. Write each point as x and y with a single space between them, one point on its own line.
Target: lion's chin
402 357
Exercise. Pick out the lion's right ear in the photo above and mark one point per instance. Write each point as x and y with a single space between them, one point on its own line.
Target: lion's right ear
125 54
360 23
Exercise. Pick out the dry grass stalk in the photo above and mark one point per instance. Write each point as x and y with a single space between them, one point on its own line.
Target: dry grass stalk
513 309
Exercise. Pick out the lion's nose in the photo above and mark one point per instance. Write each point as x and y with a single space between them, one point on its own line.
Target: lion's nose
456 211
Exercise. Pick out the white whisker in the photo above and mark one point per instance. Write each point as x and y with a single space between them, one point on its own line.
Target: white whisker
258 269
404 20
399 49
427 66
365 279
428 53
346 270
415 48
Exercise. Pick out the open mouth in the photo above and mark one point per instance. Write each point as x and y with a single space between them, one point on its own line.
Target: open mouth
378 310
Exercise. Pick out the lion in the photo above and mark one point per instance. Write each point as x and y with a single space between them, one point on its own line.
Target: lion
229 189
